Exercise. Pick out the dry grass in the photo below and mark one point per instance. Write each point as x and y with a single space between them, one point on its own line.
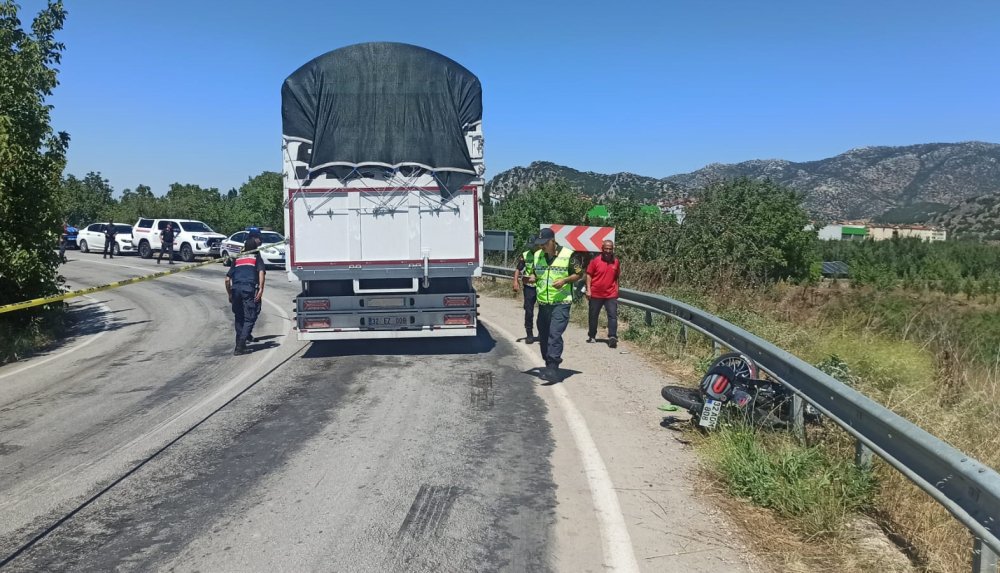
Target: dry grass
920 355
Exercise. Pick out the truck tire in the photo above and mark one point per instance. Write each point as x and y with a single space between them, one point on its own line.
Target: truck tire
187 255
116 250
83 247
144 250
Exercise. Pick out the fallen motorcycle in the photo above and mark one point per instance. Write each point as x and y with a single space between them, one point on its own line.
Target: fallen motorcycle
731 388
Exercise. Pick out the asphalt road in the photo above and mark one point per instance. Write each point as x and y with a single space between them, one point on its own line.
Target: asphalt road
143 444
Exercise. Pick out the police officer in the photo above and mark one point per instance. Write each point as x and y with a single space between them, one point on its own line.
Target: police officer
556 269
245 287
110 232
254 234
524 278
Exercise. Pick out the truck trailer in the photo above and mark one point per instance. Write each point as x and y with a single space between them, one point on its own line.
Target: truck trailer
382 152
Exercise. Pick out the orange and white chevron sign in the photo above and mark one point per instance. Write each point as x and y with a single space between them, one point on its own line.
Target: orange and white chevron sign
582 238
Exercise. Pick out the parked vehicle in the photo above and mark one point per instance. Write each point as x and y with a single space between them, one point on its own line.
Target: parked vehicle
191 238
70 237
271 251
731 388
91 238
382 214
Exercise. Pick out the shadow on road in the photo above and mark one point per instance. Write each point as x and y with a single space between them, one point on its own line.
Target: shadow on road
561 375
87 319
482 343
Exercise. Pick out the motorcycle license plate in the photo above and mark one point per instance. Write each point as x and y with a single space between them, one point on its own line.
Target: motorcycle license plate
710 414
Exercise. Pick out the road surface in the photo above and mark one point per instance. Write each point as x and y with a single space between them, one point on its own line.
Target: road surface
141 443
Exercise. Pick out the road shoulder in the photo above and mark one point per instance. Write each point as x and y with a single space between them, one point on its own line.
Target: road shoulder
654 475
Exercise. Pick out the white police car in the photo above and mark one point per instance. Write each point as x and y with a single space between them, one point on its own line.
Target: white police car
272 253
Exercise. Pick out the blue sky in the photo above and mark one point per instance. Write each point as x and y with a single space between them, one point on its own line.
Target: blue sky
182 91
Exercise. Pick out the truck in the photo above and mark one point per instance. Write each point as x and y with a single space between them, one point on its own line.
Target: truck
382 153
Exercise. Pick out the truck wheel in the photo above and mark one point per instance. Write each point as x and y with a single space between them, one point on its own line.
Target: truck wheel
144 250
187 255
116 250
83 247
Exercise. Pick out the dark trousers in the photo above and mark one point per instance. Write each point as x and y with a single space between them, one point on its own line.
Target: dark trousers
62 249
244 311
107 248
168 249
596 304
258 306
530 296
552 322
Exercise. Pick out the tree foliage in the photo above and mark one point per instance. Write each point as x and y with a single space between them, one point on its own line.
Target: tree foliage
257 202
745 230
547 202
32 155
85 199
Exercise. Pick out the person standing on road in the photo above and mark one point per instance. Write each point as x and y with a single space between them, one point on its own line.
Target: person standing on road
602 292
63 241
245 287
524 278
556 269
109 240
258 241
166 244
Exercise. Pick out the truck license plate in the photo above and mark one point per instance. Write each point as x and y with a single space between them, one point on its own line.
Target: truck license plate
395 320
710 414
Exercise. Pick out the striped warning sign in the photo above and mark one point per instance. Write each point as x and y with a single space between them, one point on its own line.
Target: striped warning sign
582 238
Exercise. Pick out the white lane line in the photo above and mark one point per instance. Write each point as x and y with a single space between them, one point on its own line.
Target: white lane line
83 344
615 540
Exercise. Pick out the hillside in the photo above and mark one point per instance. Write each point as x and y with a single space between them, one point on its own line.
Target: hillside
597 185
861 183
977 218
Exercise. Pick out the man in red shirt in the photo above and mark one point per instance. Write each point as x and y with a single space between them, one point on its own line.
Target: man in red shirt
602 291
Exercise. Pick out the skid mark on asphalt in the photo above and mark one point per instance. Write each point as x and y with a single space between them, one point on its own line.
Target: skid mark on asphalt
429 510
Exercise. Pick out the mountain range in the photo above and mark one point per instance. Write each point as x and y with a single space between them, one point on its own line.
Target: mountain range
920 181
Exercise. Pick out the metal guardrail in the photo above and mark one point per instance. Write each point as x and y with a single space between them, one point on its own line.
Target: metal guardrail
967 488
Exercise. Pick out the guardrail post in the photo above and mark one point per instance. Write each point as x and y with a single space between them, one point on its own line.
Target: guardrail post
799 417
862 456
715 348
684 335
649 318
984 560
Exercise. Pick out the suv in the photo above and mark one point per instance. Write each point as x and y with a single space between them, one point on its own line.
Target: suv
191 238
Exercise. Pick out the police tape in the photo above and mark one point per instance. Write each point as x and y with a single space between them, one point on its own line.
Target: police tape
78 293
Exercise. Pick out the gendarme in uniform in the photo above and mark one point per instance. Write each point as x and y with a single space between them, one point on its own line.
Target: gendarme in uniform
243 280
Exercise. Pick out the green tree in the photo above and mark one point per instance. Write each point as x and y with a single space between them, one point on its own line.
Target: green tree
746 230
86 200
525 210
32 155
261 202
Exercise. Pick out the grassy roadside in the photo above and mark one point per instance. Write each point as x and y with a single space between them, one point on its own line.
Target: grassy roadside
924 355
22 334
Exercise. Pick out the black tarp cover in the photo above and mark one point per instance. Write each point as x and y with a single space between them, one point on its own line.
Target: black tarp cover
384 103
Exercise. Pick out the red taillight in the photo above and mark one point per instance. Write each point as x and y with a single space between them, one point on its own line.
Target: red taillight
316 304
458 301
316 323
457 319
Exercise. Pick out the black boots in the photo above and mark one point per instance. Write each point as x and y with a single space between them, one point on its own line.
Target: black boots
241 348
